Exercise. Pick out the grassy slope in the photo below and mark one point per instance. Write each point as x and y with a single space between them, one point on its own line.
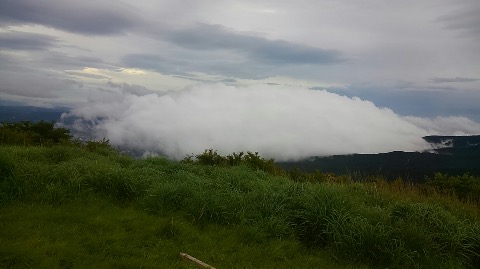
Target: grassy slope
66 207
98 234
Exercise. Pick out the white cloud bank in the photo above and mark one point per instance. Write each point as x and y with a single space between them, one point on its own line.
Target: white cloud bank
279 122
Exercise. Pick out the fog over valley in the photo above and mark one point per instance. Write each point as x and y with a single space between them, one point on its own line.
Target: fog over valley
280 122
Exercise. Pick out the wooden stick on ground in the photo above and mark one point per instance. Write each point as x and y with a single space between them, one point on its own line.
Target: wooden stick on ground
195 260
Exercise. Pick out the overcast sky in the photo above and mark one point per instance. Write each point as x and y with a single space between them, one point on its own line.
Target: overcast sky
417 58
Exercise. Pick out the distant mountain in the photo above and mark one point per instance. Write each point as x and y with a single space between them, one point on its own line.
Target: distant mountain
18 113
453 155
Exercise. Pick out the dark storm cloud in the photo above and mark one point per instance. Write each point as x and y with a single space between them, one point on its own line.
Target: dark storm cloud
26 41
89 17
259 49
466 18
181 65
48 60
285 52
455 79
228 80
216 50
192 78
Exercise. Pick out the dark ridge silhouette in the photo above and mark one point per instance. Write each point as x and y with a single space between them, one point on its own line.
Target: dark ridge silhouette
452 155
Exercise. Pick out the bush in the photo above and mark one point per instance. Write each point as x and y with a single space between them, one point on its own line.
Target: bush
466 186
250 159
29 133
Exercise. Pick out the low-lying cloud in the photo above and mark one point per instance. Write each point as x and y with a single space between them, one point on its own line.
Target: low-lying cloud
284 123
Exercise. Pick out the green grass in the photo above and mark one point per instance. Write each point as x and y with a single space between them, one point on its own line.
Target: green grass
71 207
96 233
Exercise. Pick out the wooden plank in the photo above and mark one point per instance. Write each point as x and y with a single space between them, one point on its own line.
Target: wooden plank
195 260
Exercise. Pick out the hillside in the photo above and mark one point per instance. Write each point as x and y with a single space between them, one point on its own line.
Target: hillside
73 206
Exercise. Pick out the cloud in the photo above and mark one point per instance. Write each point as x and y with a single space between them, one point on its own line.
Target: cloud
311 43
455 79
48 60
61 60
465 18
31 76
281 122
156 63
217 50
33 85
8 62
182 65
89 17
216 37
26 41
86 75
130 88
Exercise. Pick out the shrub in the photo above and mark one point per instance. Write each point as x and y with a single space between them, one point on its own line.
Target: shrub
250 159
29 133
466 186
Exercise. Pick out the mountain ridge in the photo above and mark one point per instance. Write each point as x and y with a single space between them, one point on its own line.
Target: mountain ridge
453 155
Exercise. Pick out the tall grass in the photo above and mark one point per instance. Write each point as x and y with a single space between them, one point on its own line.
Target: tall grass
381 224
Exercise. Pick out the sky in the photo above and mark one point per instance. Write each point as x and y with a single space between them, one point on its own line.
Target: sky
273 76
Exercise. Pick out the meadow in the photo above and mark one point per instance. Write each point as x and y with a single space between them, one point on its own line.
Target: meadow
71 205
